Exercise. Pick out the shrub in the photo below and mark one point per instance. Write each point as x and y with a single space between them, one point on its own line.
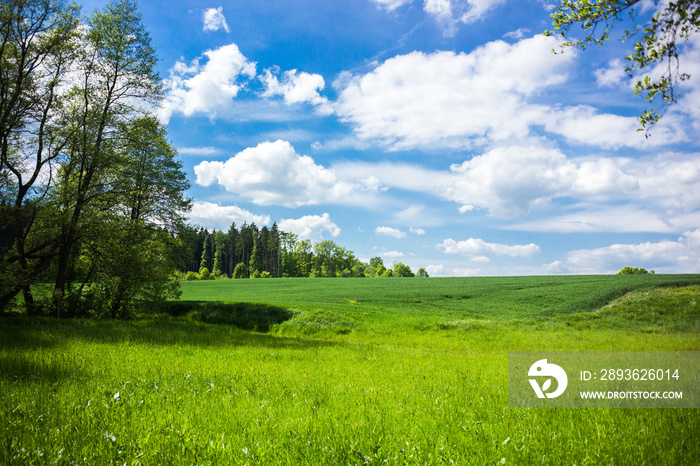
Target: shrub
632 271
204 274
191 276
241 271
265 274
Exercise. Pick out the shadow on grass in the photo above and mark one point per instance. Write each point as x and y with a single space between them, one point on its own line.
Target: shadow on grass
19 367
246 316
195 329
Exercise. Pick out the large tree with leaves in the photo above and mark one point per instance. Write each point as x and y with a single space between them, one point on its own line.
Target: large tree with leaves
657 41
36 53
99 212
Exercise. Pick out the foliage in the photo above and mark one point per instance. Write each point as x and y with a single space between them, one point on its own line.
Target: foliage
204 274
422 273
241 271
402 270
73 102
659 46
627 270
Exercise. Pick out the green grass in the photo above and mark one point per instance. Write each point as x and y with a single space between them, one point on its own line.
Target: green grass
359 372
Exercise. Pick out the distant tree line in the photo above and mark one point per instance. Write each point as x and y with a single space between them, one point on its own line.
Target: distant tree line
252 252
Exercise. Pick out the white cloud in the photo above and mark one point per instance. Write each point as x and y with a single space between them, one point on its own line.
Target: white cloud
585 125
199 151
511 180
680 256
480 249
449 13
626 219
441 11
448 100
273 173
518 34
208 89
310 226
214 19
613 75
391 5
296 88
393 254
435 269
417 231
465 272
392 232
477 9
220 217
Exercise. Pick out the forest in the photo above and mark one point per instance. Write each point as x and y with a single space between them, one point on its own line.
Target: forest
252 252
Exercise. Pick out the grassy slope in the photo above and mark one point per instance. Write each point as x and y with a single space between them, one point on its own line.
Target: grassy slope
419 378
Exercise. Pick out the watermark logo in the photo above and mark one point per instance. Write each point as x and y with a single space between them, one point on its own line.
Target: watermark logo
544 369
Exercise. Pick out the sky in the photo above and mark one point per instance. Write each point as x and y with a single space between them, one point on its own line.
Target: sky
444 134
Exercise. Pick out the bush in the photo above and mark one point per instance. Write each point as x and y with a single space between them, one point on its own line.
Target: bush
191 276
265 274
241 271
632 271
204 274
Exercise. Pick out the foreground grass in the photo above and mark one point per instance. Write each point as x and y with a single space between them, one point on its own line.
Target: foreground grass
333 384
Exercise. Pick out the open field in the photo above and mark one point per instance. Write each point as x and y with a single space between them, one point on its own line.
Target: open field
359 371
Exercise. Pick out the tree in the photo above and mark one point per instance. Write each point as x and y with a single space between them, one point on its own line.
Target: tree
422 273
240 271
36 52
659 45
632 271
402 270
207 253
221 247
115 80
90 189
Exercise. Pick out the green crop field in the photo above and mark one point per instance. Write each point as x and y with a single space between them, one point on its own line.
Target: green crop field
342 371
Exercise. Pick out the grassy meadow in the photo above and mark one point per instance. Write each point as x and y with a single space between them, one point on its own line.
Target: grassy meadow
342 371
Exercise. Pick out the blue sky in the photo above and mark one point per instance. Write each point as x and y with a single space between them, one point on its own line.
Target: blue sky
440 133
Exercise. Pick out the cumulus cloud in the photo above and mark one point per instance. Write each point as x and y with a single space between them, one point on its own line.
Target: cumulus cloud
310 226
480 249
212 215
613 75
435 269
214 19
512 180
273 173
682 255
586 125
444 99
296 88
417 231
392 232
208 88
